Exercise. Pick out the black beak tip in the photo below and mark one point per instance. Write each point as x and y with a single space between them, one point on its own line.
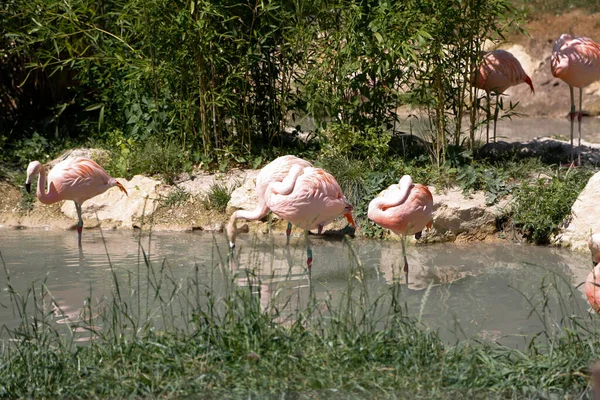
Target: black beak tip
28 187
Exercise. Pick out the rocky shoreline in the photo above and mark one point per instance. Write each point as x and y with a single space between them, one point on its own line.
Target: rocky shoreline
458 216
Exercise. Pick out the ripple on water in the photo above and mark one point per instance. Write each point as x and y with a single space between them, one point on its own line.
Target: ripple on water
479 289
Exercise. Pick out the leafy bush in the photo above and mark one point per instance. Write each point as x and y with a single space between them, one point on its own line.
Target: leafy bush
540 207
222 80
152 157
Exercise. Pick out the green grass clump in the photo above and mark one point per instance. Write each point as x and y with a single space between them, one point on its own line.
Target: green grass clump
176 197
218 196
541 206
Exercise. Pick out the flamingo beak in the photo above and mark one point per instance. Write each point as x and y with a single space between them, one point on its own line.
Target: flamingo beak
350 219
28 187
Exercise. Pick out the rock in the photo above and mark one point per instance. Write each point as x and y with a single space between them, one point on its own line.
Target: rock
585 217
455 215
244 197
101 156
200 183
113 205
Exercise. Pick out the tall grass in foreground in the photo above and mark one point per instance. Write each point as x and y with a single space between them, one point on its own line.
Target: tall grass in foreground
166 337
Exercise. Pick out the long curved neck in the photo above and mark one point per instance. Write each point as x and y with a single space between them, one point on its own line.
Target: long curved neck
394 201
260 211
51 196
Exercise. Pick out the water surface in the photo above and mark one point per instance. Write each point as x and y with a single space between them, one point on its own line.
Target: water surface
475 290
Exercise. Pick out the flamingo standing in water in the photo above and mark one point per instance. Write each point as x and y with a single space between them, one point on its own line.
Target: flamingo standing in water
295 191
498 71
77 179
405 209
592 283
576 61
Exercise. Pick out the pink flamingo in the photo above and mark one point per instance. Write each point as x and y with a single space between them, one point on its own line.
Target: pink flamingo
498 71
77 179
576 61
405 209
295 191
592 283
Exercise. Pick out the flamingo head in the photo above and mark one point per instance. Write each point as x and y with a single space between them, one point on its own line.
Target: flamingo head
594 246
528 81
33 169
232 231
558 64
348 214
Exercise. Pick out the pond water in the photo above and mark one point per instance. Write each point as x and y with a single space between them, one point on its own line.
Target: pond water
475 290
522 129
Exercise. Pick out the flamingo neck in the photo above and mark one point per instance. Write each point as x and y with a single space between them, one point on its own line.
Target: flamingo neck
49 197
232 229
394 201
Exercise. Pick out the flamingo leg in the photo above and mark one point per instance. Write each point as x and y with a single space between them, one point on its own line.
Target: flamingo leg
572 118
579 118
405 259
288 231
320 229
487 123
309 257
79 222
496 115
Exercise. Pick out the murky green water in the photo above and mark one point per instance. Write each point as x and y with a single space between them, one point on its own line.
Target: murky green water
473 290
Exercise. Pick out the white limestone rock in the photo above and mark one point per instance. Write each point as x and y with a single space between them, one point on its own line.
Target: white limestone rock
113 205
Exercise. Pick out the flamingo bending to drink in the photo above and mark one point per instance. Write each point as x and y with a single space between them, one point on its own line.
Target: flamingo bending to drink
77 179
405 209
295 191
498 71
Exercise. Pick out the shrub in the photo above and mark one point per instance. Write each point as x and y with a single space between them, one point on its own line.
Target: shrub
540 207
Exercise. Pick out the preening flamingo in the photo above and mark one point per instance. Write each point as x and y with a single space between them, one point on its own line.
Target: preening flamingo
576 61
405 209
77 179
592 283
498 71
295 191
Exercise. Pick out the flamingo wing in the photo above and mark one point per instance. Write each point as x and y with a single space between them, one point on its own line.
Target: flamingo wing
500 70
404 218
79 179
316 200
576 60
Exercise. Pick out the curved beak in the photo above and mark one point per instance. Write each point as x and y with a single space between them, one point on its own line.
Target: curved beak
350 219
28 187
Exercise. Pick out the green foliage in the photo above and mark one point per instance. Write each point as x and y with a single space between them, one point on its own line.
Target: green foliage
151 157
342 140
176 197
221 81
27 200
218 196
540 207
495 182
